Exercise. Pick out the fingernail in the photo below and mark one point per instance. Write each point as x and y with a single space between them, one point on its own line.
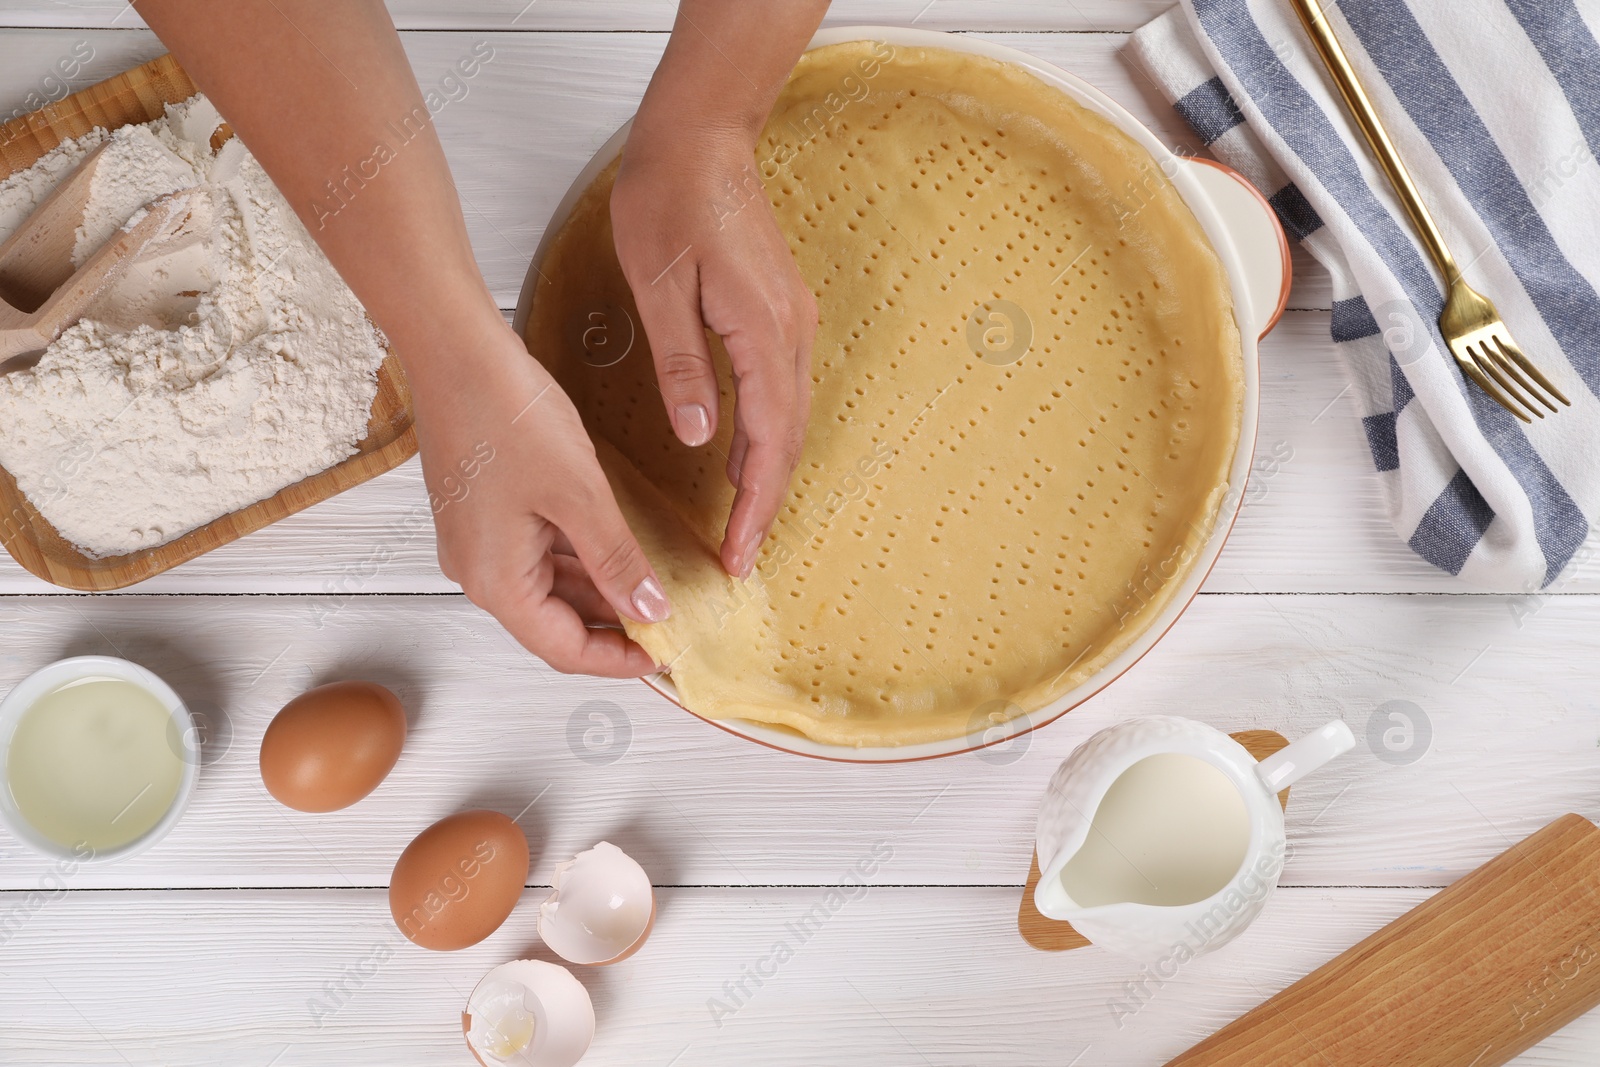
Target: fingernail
749 553
651 602
694 423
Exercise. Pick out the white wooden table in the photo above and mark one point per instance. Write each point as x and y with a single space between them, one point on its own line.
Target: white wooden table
222 944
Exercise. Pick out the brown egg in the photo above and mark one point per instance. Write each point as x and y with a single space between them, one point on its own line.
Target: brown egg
455 884
332 745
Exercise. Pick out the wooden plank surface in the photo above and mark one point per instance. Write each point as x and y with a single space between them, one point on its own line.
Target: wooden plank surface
215 946
1503 737
613 15
897 977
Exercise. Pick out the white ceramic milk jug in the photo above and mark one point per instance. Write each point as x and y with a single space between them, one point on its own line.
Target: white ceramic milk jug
1163 837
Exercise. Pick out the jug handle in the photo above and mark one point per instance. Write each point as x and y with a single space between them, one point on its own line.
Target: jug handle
1288 765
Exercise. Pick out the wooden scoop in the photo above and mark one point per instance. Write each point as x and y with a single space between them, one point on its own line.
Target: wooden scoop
41 293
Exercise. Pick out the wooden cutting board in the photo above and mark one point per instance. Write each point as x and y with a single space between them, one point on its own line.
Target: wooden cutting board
140 95
1053 935
1476 974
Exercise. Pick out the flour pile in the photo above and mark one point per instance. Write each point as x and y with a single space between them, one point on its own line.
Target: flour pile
228 362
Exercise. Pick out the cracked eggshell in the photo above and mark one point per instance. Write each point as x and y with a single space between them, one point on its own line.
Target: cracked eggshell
602 908
528 1013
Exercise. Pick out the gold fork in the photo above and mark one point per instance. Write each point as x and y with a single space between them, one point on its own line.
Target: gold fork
1478 338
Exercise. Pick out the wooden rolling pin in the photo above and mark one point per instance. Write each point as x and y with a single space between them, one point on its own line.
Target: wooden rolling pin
1476 974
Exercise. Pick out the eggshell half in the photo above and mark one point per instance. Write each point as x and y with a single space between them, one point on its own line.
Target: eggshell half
551 999
459 879
602 908
332 745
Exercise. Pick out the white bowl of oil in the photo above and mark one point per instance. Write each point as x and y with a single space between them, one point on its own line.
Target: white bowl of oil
98 758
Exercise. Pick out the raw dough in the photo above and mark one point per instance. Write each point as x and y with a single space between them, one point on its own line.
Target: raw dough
969 533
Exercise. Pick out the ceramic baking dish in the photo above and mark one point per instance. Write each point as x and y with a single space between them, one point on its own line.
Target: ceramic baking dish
1248 238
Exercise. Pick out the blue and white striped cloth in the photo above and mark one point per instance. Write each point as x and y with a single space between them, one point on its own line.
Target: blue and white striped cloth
1495 107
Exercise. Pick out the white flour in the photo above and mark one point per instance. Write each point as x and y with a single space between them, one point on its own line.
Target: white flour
229 362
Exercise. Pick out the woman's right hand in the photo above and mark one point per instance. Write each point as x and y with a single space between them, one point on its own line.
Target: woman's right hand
527 523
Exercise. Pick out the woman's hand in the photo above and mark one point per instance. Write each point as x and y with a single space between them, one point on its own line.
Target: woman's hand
527 523
700 248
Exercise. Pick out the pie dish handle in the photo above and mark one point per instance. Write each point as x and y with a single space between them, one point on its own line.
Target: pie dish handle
1257 234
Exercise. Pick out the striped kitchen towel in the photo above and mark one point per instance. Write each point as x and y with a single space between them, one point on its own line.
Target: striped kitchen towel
1495 107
